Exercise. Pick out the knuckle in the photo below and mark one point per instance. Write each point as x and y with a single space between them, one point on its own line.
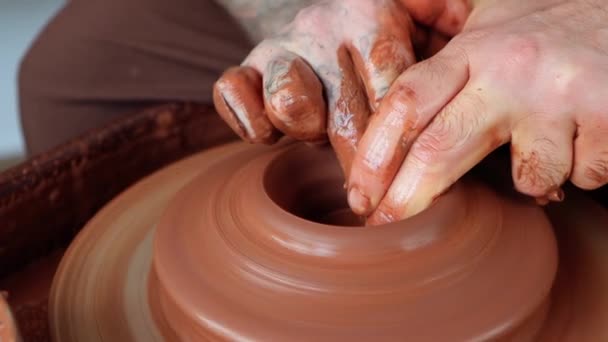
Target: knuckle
433 68
426 149
310 18
296 115
276 75
388 59
400 105
261 53
537 172
436 67
522 54
284 108
594 174
567 76
451 128
469 38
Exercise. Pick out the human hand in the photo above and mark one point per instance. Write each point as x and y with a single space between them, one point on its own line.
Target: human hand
325 73
8 329
534 73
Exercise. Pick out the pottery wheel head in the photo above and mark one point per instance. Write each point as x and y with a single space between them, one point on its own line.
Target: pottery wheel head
252 243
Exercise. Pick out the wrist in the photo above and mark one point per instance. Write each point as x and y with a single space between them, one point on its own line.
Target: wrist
263 18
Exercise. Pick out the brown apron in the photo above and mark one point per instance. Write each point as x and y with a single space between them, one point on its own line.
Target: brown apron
96 60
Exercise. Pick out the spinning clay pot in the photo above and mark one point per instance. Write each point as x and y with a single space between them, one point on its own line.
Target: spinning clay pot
254 243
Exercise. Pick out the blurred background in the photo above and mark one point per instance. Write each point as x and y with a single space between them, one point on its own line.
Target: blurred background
20 21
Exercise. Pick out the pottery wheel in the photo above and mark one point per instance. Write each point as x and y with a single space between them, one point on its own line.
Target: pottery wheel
245 242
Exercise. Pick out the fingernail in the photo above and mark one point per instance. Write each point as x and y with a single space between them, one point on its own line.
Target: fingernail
556 195
358 202
247 132
379 218
227 112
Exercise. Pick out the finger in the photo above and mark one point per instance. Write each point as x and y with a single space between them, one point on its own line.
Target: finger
460 136
541 156
382 56
446 16
237 96
293 96
590 169
348 113
413 100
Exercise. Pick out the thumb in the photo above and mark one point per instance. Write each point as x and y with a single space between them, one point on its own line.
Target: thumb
445 16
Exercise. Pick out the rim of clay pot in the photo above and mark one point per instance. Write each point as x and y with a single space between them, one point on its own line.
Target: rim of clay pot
310 186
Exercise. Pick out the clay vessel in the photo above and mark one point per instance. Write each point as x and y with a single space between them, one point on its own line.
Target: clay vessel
265 250
254 243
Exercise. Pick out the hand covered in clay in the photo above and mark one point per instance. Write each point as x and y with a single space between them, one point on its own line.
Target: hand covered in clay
324 74
534 73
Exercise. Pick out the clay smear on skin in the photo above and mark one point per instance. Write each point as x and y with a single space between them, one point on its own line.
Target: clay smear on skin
294 100
237 96
382 154
348 120
530 173
390 54
402 117
379 65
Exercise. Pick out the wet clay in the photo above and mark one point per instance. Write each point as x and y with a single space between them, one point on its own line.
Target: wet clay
293 97
238 256
257 245
238 100
348 119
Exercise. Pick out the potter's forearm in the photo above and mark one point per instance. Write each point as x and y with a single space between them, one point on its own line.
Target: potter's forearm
261 18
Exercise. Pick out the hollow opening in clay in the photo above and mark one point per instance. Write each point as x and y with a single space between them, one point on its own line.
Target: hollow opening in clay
309 183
